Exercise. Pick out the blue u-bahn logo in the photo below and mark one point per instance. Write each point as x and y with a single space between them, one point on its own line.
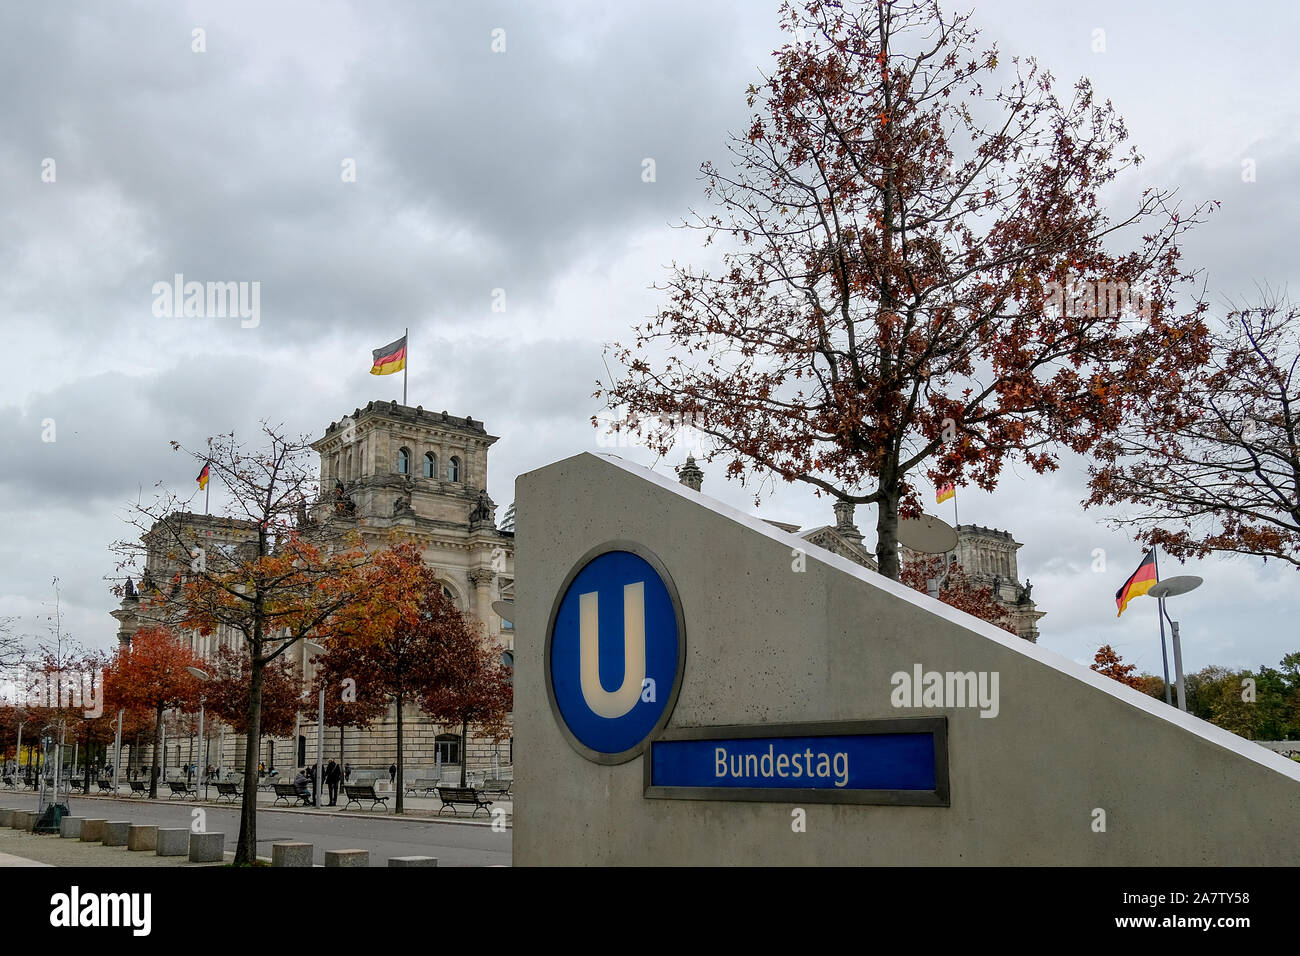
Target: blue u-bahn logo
615 652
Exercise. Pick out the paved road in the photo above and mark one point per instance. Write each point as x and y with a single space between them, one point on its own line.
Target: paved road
454 844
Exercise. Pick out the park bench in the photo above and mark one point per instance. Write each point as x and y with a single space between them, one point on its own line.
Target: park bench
76 783
106 786
285 792
423 785
267 782
10 783
139 788
358 792
228 789
467 796
495 785
182 789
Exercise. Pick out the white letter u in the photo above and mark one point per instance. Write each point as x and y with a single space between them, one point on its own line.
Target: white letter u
601 701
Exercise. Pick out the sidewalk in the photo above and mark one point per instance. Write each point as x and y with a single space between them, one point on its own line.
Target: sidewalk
416 807
19 848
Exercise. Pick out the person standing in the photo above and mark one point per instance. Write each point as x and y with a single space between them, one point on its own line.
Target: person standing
332 775
392 774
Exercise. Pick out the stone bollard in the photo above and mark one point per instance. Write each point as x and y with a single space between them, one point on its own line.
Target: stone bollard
18 819
6 818
347 857
207 847
29 821
291 854
70 827
115 832
92 831
412 861
173 841
142 837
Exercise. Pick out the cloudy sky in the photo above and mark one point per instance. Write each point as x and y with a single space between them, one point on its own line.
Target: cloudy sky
508 178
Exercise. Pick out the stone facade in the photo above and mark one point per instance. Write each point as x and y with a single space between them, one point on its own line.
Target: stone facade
385 467
988 556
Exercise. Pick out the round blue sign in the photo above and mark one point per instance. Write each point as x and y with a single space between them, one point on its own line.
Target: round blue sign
615 652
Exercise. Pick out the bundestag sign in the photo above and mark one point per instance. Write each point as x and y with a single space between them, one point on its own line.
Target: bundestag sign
615 659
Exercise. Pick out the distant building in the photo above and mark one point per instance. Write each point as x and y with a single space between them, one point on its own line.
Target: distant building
987 556
386 466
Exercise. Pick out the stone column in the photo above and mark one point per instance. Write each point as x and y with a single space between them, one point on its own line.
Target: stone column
481 579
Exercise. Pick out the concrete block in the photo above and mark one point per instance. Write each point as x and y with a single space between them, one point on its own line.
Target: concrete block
142 837
115 832
26 820
207 847
70 827
6 818
412 861
347 857
92 831
291 854
18 819
173 841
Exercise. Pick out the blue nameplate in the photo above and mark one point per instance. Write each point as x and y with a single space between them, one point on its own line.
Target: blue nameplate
902 761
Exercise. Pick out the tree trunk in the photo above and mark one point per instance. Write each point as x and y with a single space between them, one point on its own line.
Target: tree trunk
157 749
887 532
464 750
401 808
85 783
246 846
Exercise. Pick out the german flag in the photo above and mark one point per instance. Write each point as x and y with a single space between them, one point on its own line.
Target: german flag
1140 582
203 478
945 492
391 358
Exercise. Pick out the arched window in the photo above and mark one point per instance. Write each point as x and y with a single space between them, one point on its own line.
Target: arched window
430 465
403 461
453 469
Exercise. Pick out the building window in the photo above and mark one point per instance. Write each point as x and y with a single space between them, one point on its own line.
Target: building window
453 469
430 465
403 461
448 748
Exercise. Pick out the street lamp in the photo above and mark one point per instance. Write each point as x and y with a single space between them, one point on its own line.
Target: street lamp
205 677
1171 587
320 727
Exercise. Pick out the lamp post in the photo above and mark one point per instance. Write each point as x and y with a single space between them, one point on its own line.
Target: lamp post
205 677
117 750
1168 588
320 728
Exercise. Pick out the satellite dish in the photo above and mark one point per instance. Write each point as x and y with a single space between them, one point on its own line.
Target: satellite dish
1172 586
505 609
927 535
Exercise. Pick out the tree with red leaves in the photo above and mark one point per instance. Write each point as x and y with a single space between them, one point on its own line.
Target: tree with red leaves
478 691
1214 465
280 580
919 275
151 674
1109 662
956 590
397 646
227 693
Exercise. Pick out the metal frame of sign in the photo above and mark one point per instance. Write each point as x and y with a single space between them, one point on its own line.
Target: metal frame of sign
652 559
938 797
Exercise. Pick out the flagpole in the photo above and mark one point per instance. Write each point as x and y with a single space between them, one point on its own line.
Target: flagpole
1160 613
207 486
406 334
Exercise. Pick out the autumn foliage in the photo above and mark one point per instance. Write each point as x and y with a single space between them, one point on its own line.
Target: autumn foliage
1108 662
150 675
956 590
913 244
